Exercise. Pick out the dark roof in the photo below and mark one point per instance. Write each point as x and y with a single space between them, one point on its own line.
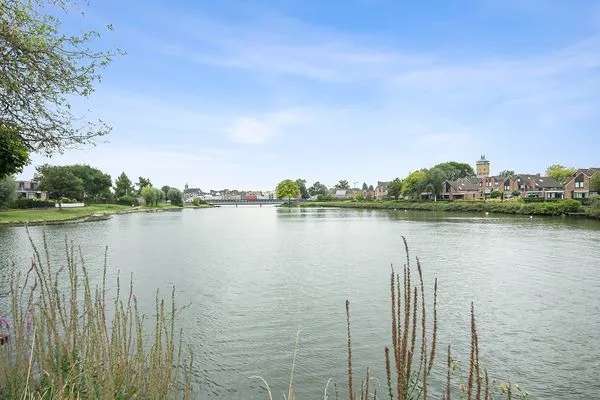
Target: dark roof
465 184
587 171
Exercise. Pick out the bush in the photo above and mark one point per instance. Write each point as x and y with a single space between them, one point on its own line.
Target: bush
495 194
197 202
31 203
128 200
325 197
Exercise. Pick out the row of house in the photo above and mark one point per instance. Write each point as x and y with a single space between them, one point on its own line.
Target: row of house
189 194
525 185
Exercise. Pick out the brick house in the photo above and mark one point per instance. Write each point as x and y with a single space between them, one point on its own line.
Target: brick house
461 189
578 187
535 186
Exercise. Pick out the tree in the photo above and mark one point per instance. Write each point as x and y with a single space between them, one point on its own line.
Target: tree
595 182
415 184
165 190
507 173
14 155
152 196
342 184
365 187
41 72
395 188
175 196
560 173
59 182
302 186
287 189
142 183
435 179
123 186
453 170
96 184
318 189
8 191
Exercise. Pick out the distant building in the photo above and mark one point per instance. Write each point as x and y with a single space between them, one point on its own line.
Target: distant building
341 194
482 167
190 194
30 190
381 190
529 185
578 187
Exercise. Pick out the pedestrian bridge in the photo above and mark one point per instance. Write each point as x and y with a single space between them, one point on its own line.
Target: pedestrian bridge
258 202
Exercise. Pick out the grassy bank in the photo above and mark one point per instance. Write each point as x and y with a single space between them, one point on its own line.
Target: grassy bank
563 207
56 215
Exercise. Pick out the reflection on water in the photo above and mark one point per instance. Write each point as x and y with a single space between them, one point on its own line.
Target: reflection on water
254 276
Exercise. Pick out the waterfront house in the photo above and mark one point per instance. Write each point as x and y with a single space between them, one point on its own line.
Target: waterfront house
381 190
461 189
341 194
529 185
30 190
578 186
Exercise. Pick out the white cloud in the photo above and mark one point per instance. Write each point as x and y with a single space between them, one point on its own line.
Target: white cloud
255 130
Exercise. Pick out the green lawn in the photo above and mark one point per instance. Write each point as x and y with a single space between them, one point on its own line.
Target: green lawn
56 215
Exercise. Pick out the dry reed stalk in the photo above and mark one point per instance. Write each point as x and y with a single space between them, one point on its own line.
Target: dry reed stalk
350 389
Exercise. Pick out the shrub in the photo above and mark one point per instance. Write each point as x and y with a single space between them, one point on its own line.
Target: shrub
66 342
197 202
31 203
128 200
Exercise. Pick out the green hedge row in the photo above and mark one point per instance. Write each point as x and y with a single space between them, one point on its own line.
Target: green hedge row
509 207
31 203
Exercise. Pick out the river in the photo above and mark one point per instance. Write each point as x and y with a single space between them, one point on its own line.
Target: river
255 276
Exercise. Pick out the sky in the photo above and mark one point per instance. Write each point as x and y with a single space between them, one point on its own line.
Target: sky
243 94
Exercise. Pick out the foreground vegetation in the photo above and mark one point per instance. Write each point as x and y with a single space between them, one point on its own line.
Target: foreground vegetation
57 215
562 207
60 343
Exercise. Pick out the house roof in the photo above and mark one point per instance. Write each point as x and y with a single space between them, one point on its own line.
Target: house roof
465 184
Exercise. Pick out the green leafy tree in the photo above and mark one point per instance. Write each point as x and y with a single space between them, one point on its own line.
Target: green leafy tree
342 184
165 190
14 155
287 189
96 184
151 195
595 182
8 191
415 184
302 186
42 71
395 188
142 183
365 187
59 182
318 189
123 186
175 196
435 179
560 173
453 170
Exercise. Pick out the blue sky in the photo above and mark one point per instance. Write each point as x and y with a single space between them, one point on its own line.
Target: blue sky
246 93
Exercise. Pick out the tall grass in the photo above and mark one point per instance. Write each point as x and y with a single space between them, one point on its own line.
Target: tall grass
67 339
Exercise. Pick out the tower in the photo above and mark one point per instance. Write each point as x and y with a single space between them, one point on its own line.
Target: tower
483 167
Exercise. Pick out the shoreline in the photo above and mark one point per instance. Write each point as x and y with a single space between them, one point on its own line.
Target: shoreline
97 213
507 207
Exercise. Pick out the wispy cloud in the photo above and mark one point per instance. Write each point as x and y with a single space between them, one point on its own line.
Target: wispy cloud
254 130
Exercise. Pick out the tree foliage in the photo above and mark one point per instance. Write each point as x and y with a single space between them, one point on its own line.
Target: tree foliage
152 196
302 187
415 183
395 188
123 186
60 181
175 196
142 183
42 71
560 173
453 170
342 184
95 183
287 189
8 191
595 182
318 189
507 173
14 155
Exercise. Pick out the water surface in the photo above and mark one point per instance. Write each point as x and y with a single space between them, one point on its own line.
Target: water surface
255 276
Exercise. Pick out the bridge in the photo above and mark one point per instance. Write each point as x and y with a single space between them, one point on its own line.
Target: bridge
242 202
